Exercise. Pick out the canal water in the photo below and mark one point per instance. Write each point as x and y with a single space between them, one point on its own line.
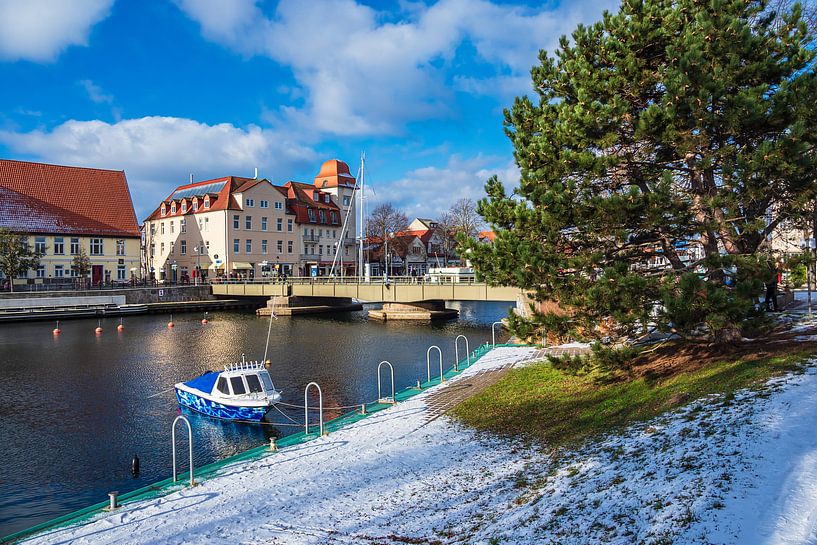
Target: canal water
75 408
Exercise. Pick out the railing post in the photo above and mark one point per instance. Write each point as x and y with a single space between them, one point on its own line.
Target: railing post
379 394
457 352
306 407
189 444
428 362
493 333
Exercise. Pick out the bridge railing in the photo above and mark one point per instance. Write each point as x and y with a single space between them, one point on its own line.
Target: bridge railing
373 280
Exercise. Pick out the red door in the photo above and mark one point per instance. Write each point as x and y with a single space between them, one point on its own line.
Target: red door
96 274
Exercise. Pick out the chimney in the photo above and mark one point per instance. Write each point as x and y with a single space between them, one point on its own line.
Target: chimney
255 176
191 177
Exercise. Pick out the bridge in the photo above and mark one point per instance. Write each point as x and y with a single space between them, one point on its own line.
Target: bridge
403 297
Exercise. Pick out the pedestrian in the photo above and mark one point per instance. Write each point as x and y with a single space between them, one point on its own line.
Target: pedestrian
771 288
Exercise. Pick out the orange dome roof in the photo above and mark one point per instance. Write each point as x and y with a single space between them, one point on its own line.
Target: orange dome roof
334 173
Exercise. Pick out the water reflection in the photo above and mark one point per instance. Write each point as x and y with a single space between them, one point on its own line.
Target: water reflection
76 407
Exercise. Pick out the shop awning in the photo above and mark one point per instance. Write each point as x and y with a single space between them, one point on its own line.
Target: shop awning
240 265
214 267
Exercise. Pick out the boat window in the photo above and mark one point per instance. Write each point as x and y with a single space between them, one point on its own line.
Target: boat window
253 383
221 385
267 381
238 385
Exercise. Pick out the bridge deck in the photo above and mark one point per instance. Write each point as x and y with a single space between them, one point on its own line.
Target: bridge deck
374 292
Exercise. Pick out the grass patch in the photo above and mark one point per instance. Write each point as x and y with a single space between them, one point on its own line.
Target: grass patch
560 409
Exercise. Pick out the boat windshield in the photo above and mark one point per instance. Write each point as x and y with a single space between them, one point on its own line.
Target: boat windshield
238 385
254 384
267 381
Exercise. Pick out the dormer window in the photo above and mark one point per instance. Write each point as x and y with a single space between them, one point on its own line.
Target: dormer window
334 217
173 207
311 213
164 209
326 199
316 196
184 206
207 201
195 204
323 216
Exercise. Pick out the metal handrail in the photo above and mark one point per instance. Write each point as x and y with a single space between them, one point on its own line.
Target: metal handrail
190 446
457 352
306 407
380 398
428 362
493 333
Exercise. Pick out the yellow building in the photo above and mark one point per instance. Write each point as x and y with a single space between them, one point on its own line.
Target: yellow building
60 210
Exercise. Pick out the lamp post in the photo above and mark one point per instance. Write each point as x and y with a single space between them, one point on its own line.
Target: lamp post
808 245
196 250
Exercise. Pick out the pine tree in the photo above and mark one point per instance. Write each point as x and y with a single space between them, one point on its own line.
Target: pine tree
669 140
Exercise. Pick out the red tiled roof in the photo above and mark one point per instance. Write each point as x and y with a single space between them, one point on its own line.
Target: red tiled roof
334 173
299 200
490 235
222 199
54 199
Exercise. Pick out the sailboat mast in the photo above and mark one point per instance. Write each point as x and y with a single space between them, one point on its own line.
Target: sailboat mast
361 225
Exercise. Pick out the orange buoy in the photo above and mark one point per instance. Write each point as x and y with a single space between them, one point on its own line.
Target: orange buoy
98 330
170 323
56 330
204 321
120 327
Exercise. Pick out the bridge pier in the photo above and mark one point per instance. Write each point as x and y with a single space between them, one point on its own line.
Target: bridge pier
422 311
294 305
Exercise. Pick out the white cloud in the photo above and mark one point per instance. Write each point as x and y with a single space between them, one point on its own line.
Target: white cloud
428 191
366 74
95 92
38 30
158 153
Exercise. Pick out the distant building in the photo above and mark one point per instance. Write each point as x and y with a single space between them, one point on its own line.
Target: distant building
60 209
250 228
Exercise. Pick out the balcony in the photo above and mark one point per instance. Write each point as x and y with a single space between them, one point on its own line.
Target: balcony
310 237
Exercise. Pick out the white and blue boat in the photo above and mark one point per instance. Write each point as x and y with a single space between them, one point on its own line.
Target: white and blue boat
243 391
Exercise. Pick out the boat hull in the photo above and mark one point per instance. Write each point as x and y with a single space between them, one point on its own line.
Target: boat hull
218 410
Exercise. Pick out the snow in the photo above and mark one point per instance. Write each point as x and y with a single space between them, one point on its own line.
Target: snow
735 469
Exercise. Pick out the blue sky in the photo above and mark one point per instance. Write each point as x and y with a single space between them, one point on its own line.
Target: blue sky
162 89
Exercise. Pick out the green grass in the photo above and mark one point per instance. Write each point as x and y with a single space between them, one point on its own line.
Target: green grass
543 403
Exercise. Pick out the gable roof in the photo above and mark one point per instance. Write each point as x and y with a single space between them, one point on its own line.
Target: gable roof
54 199
220 191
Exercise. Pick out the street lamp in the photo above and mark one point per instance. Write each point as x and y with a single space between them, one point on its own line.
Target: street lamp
808 245
198 265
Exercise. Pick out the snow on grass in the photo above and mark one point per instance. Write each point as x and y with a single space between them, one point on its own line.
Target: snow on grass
725 469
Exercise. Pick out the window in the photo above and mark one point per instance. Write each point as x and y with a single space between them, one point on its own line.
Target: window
120 272
320 249
316 196
263 223
39 245
173 208
334 216
162 248
206 224
267 381
236 244
280 246
289 246
248 246
207 201
172 246
96 246
238 385
185 272
59 246
120 247
264 204
164 210
184 247
171 227
279 224
40 272
195 204
184 207
183 225
236 222
326 199
152 250
311 213
207 243
59 271
323 216
264 246
347 200
152 229
253 383
279 205
250 203
248 223
221 385
289 225
162 228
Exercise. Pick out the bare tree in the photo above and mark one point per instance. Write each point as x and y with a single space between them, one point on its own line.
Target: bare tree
386 218
464 218
809 7
447 233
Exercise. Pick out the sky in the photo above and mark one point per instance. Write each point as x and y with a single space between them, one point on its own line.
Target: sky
164 89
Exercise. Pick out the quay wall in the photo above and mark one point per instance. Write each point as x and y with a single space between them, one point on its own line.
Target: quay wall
133 296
